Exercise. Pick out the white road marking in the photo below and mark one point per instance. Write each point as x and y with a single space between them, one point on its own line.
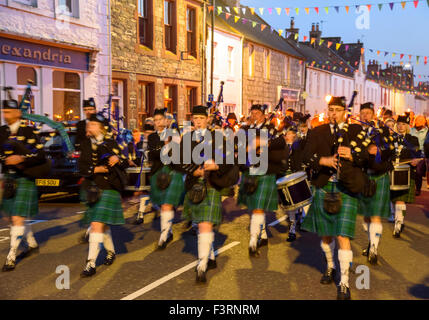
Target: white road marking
174 274
5 229
272 224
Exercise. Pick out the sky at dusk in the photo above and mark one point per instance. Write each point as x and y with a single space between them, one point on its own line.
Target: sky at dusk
398 30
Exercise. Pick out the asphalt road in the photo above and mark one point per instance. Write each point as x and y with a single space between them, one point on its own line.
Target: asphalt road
282 271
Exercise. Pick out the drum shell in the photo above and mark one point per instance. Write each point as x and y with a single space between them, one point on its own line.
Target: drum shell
290 189
133 174
400 178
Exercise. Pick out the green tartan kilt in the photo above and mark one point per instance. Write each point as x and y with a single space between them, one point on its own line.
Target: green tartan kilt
209 210
324 224
379 204
25 203
265 197
173 195
408 196
107 210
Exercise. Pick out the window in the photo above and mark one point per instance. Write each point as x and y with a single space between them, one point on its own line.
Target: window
191 98
230 66
23 74
32 3
145 101
69 7
170 98
251 60
170 26
191 31
267 63
145 28
66 94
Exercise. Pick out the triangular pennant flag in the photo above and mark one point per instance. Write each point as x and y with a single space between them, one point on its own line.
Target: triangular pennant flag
219 10
386 53
244 21
417 59
297 10
409 56
270 10
236 18
321 42
393 54
362 50
402 55
287 35
312 40
403 3
252 11
369 7
272 29
279 10
327 10
287 10
307 10
391 5
416 3
236 10
296 36
380 6
337 9
347 9
346 69
227 9
335 67
210 8
244 11
227 15
317 10
305 38
337 46
261 11
280 32
357 7
378 52
254 24
347 47
263 26
329 44
428 2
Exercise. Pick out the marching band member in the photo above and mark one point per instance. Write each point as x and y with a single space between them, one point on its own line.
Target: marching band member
166 185
202 202
378 206
103 167
400 198
89 108
333 216
421 131
20 199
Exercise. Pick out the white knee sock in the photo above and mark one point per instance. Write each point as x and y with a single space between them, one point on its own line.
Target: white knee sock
345 258
95 239
264 231
375 231
29 236
166 224
212 253
205 242
108 241
399 216
328 249
16 235
144 201
257 222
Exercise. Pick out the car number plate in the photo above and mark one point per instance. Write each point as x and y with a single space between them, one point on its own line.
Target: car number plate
47 182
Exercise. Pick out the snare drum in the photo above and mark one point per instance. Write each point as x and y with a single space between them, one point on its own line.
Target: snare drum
400 178
133 175
296 190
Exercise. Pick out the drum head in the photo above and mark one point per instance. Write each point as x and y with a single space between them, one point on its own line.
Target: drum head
291 177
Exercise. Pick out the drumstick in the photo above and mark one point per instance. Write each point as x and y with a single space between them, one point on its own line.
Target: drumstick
408 161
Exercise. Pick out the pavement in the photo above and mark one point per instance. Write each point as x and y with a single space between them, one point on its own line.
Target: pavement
140 272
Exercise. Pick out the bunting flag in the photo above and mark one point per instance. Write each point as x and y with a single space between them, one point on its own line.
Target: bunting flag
305 38
393 54
307 10
337 46
280 32
297 10
252 11
279 11
327 10
337 9
362 50
254 24
244 11
347 9
347 47
236 18
227 15
317 9
227 9
402 55
403 3
380 6
210 8
329 44
313 40
236 10
378 52
263 26
219 10
369 7
270 10
261 11
391 5
417 59
321 42
416 3
244 21
296 36
287 10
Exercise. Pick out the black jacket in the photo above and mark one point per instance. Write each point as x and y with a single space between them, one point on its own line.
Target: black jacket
407 154
26 142
321 143
80 133
154 152
89 159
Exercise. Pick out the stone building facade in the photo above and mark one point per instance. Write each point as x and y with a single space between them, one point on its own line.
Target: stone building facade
157 57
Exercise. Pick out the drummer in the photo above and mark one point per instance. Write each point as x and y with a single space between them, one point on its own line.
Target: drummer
166 185
406 151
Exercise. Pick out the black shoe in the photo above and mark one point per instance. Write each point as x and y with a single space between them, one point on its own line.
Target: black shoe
402 227
328 276
110 257
211 264
139 219
201 277
29 251
9 265
89 271
396 234
372 258
84 239
263 243
163 245
194 230
253 252
343 292
291 238
365 251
